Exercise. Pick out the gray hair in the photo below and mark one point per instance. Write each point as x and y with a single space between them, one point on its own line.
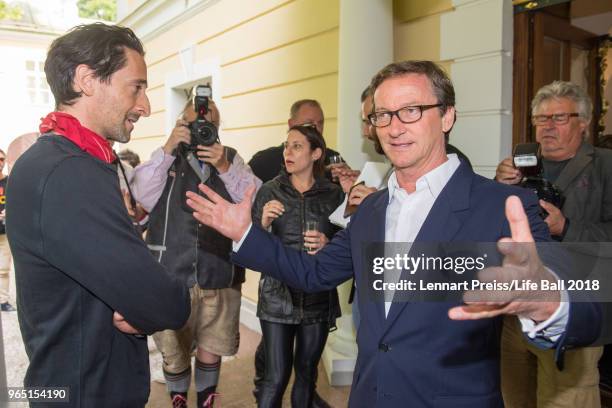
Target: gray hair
569 90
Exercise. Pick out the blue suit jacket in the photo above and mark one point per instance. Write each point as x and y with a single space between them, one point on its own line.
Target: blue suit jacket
416 356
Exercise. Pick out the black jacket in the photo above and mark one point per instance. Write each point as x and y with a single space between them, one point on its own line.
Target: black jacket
193 252
278 302
77 260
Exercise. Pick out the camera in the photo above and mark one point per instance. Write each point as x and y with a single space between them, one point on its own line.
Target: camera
203 131
527 157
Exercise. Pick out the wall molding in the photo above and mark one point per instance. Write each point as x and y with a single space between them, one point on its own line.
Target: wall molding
155 17
191 74
484 55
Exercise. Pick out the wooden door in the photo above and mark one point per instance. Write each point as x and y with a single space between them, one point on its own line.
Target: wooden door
548 48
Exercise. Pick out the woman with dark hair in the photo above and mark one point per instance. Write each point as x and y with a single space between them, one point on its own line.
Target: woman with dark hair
300 194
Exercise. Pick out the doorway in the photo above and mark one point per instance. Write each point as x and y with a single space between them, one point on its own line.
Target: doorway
548 47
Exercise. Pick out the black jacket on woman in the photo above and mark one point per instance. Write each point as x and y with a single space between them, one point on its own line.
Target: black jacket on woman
278 302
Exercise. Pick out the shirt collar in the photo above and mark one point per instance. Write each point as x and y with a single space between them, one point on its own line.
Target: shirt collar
435 180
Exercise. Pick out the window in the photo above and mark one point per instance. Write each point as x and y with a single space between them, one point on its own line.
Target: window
36 83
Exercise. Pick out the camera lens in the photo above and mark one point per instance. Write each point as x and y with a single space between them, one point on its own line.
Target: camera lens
203 133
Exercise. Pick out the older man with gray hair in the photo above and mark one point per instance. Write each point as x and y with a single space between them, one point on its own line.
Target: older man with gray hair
561 113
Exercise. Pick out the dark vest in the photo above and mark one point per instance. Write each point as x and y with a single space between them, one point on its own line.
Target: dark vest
191 251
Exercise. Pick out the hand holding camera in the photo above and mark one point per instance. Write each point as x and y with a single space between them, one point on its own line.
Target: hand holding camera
506 173
215 155
555 219
525 168
180 134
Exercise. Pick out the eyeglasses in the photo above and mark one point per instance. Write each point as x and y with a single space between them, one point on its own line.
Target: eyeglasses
557 118
295 146
407 114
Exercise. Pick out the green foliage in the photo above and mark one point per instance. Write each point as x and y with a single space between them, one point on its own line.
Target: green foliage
10 12
98 9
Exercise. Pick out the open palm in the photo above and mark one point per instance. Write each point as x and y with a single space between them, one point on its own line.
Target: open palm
231 220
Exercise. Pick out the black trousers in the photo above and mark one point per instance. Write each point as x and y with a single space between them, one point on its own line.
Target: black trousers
280 357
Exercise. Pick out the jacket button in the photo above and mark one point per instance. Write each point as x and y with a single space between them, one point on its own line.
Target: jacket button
384 347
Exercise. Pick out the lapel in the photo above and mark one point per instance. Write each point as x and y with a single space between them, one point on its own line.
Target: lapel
379 218
443 221
574 167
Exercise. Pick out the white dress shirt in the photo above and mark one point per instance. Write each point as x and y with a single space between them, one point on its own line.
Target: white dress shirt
407 212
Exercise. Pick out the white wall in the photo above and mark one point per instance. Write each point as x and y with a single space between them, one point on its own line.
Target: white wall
363 52
482 75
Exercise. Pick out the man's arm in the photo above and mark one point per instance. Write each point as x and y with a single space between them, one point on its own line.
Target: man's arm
239 178
521 261
150 177
88 235
264 252
594 231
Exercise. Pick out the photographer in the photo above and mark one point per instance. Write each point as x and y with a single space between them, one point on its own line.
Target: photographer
561 113
196 254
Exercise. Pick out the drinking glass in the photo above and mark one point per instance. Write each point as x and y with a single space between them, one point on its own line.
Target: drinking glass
310 225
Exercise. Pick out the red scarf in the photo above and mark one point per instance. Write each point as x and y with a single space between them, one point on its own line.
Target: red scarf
70 127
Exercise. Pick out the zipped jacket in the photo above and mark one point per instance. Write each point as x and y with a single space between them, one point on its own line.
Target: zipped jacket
279 302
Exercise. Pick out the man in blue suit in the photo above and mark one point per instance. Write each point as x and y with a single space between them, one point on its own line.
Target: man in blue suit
421 354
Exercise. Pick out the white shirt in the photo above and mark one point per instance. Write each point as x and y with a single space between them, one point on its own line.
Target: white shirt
407 212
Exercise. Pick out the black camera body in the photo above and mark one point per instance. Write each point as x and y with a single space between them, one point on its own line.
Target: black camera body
527 157
203 131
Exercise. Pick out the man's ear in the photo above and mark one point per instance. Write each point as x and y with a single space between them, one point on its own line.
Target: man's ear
584 125
85 80
448 119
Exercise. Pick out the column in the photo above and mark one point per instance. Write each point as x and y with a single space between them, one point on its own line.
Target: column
365 46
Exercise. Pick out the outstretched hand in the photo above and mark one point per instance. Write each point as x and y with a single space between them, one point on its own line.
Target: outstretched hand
231 220
521 262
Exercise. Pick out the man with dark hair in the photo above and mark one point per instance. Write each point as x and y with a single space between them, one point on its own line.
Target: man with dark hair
411 353
369 132
359 192
87 286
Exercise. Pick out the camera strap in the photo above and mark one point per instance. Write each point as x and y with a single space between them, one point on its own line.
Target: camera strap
202 172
